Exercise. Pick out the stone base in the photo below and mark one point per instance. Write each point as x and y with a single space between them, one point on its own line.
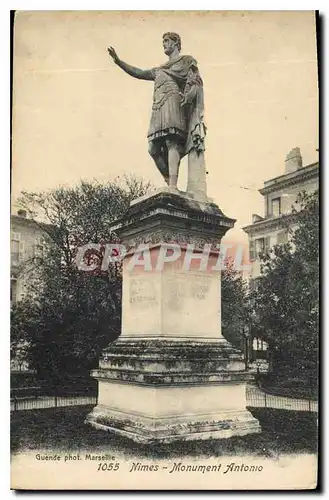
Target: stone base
160 391
147 430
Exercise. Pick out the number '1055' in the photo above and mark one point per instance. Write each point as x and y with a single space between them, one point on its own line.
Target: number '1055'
108 466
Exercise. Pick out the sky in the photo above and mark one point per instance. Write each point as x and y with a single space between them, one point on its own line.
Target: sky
76 115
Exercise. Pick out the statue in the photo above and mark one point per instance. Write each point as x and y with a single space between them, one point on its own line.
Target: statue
176 127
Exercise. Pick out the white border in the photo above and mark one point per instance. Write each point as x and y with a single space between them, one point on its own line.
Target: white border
5 155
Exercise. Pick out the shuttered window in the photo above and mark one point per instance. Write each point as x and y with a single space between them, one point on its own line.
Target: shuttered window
276 207
15 248
39 246
267 243
260 246
252 253
13 290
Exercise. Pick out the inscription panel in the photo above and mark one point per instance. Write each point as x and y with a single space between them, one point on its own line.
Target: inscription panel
191 304
141 305
142 292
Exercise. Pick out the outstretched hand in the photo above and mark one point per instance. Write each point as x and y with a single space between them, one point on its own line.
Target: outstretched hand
113 54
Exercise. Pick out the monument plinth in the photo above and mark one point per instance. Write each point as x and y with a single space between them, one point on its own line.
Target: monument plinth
171 375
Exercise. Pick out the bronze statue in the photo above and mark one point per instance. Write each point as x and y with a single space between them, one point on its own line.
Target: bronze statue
176 127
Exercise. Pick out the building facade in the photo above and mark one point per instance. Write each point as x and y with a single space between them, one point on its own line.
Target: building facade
280 195
27 242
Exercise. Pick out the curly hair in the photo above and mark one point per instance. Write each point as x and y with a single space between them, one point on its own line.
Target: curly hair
175 37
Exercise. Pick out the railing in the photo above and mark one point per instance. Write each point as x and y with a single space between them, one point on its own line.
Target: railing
259 399
41 402
255 398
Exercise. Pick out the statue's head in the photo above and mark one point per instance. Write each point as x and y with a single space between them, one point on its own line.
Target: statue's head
170 42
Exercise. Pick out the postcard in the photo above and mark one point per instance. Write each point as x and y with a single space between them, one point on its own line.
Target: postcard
164 250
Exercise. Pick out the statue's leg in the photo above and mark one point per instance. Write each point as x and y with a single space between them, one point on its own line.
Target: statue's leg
160 159
174 157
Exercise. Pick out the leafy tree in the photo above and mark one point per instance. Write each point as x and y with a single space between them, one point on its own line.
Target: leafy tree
69 315
235 306
19 346
287 296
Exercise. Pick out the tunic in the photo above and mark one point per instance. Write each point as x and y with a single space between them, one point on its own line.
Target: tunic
168 116
172 80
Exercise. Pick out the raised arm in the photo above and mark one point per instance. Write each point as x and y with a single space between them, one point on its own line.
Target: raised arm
141 74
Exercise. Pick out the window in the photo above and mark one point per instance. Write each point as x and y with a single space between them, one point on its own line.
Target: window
14 252
268 243
16 248
259 344
259 246
22 291
252 255
13 290
39 246
276 207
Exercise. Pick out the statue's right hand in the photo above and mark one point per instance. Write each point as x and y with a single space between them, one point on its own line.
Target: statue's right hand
113 54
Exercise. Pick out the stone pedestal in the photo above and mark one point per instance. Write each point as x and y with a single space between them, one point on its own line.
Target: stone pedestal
171 375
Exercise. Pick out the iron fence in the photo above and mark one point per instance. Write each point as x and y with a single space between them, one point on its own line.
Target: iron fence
260 399
255 398
41 402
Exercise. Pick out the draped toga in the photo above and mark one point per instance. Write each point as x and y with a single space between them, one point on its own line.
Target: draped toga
173 80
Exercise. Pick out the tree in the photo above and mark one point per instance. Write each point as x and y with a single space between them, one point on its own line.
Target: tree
69 315
235 306
19 345
287 296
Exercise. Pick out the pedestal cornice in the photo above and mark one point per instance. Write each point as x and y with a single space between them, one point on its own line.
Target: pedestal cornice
172 217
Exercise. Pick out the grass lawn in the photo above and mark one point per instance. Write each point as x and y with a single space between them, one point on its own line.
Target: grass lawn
63 430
